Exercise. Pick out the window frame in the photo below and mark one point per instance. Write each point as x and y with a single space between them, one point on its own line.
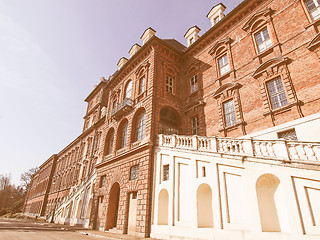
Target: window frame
195 125
169 85
259 32
126 90
233 118
140 126
194 83
123 137
224 55
288 132
142 87
103 181
166 172
277 94
134 175
315 2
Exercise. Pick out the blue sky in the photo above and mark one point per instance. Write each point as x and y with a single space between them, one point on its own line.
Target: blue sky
52 53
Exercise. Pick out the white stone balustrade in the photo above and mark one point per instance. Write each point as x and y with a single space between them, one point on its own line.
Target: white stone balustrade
270 149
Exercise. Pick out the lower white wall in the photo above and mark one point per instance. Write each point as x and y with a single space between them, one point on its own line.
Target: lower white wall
209 196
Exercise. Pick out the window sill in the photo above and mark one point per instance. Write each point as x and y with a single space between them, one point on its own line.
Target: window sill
266 51
232 127
141 95
314 23
225 75
193 93
282 109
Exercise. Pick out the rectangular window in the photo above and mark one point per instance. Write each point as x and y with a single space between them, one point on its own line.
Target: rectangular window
229 113
141 127
223 64
142 85
288 135
277 94
263 39
134 172
195 125
194 83
313 7
204 174
166 172
124 136
103 180
169 84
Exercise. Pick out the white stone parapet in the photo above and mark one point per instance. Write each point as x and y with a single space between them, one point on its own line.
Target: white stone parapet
274 149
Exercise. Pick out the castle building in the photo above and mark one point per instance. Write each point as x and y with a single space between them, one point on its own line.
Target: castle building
216 140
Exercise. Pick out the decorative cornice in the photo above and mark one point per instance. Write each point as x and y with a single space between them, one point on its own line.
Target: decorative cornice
314 43
270 63
224 87
264 13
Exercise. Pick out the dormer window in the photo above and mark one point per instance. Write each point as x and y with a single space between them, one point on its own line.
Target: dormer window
192 35
216 13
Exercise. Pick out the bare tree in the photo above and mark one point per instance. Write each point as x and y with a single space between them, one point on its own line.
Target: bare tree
5 181
26 177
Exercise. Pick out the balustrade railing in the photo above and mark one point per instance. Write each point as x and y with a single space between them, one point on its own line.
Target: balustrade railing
122 107
272 149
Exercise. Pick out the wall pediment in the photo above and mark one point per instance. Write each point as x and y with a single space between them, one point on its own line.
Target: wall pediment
315 42
270 63
262 15
221 43
225 87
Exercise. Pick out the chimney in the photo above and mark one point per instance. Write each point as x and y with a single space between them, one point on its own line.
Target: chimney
192 35
121 62
216 13
135 48
147 34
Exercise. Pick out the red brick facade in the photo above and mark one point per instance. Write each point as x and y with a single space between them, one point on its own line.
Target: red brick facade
182 90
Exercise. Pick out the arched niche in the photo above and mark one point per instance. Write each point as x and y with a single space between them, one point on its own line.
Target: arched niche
266 187
163 207
113 205
204 206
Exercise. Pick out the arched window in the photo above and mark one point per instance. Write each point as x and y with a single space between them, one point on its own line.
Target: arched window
128 90
140 126
123 134
142 84
266 188
109 142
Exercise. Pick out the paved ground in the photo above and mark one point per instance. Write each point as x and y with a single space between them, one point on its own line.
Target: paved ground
12 229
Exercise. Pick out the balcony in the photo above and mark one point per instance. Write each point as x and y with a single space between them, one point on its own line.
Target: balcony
121 108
